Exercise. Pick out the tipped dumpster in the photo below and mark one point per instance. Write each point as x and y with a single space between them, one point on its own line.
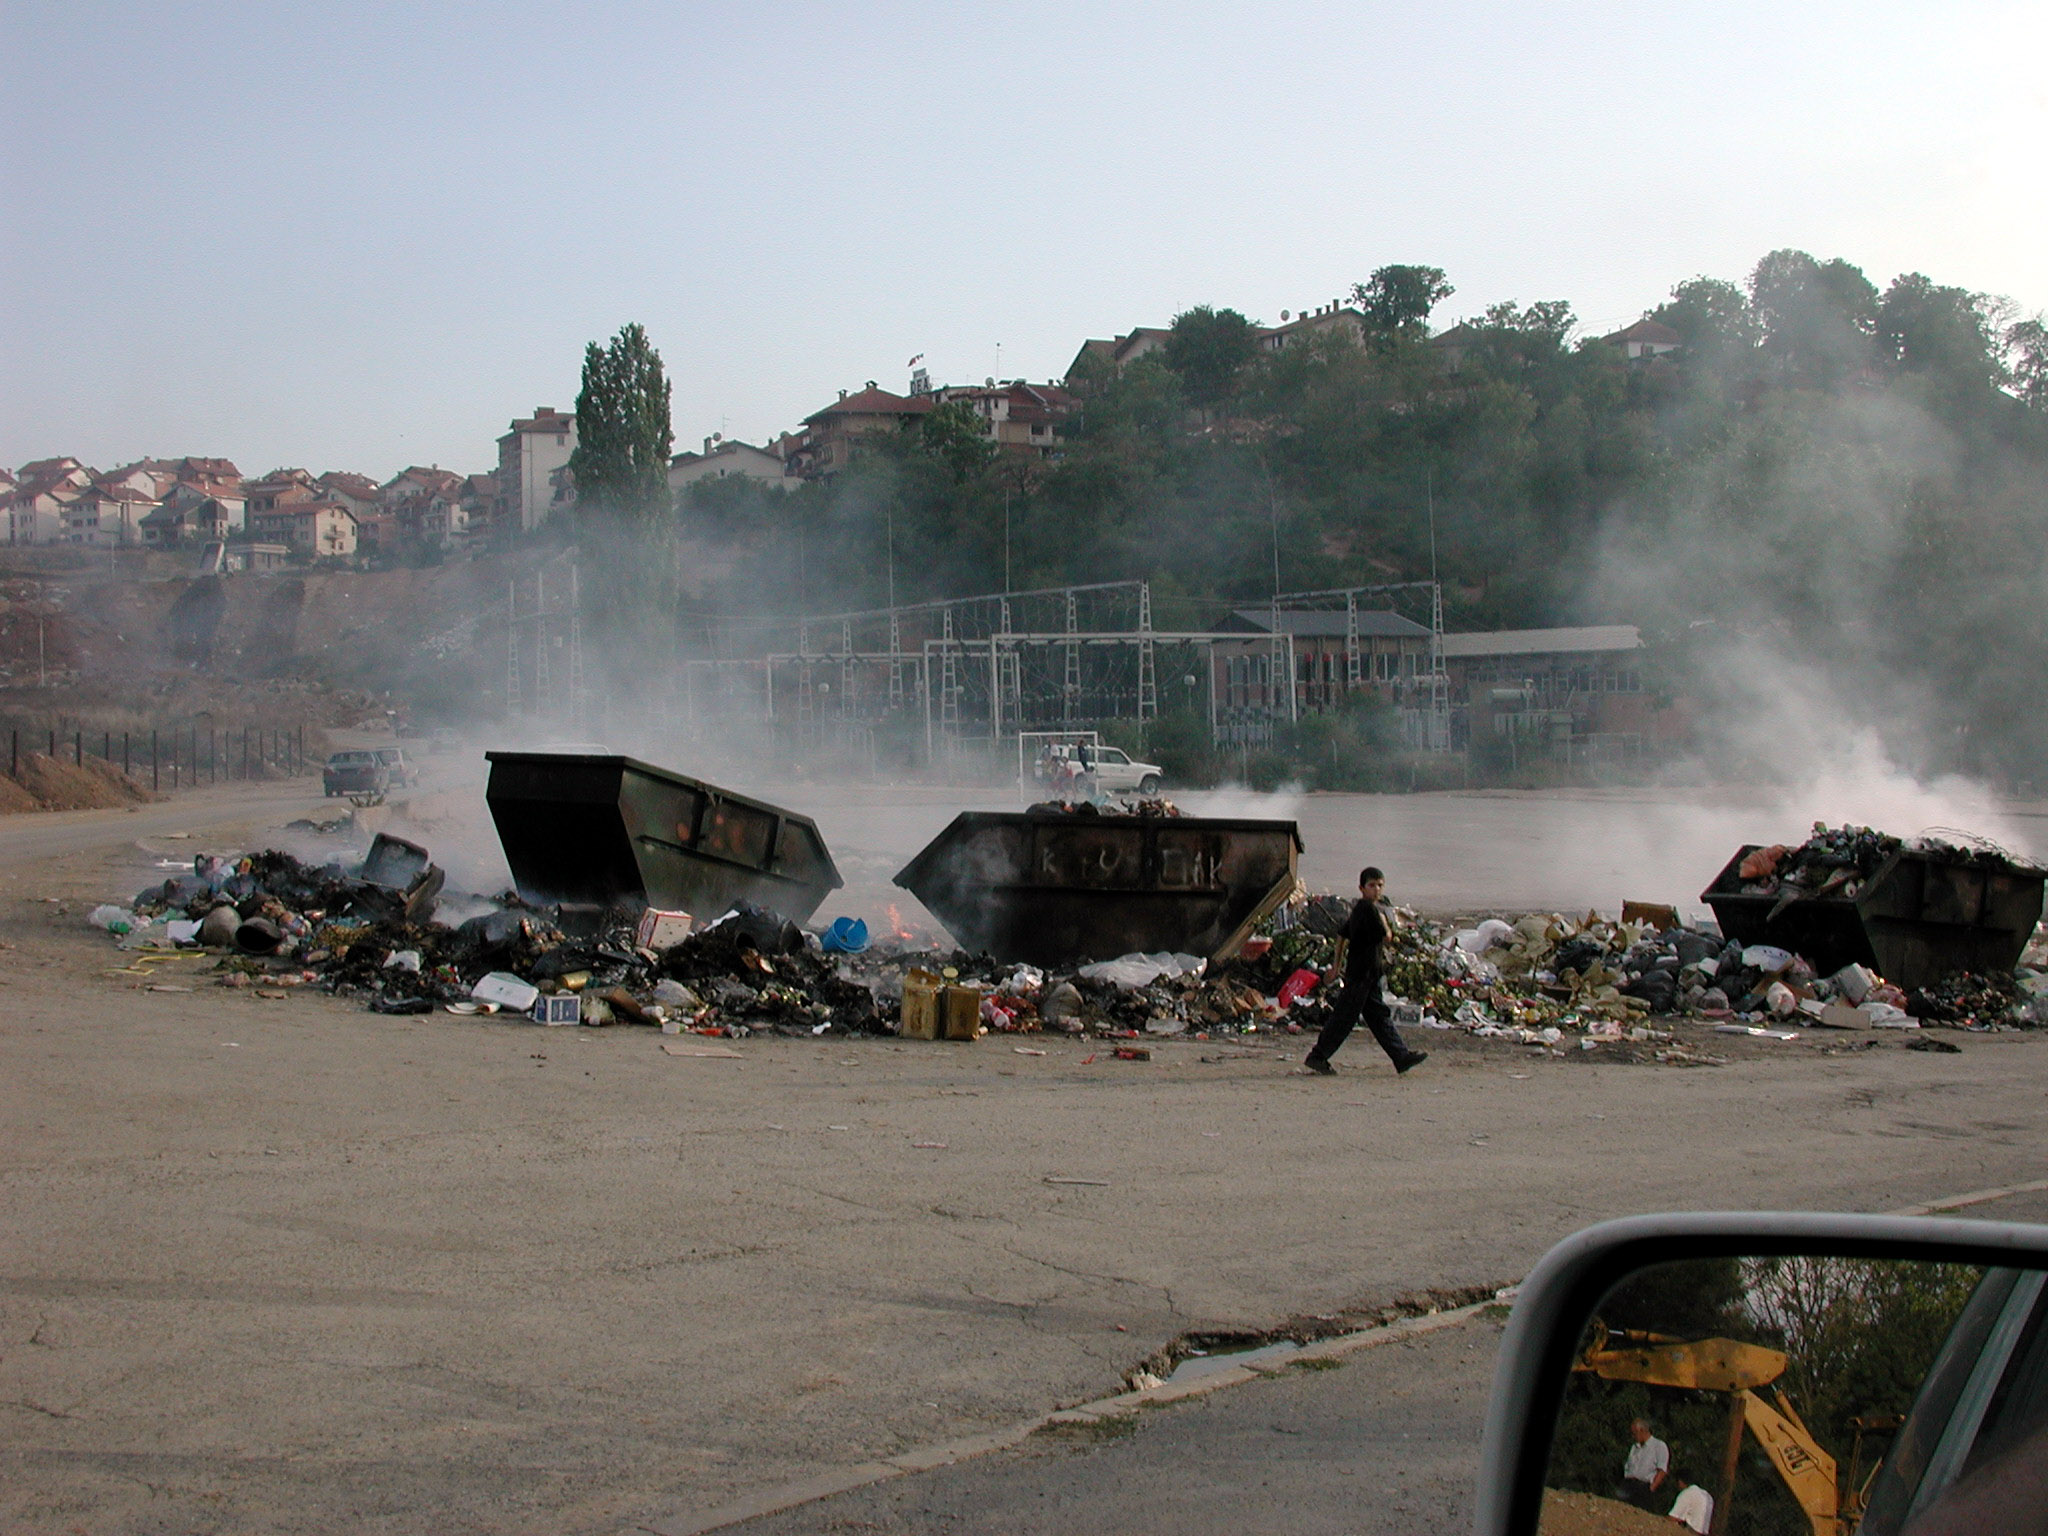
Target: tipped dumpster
1913 913
592 834
1053 887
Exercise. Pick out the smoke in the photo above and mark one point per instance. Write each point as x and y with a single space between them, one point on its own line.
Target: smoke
1837 656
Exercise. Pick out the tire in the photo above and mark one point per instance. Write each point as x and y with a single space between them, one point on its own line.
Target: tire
1149 785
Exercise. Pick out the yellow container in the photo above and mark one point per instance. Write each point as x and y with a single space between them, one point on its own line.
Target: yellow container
920 1005
960 1008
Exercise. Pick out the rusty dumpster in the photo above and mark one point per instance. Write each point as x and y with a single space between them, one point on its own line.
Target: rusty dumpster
1052 887
592 833
1922 914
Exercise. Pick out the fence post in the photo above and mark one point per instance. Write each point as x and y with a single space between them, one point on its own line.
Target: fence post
245 752
155 778
78 749
14 758
107 747
124 751
53 746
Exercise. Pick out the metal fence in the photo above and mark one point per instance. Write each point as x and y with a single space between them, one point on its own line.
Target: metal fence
173 757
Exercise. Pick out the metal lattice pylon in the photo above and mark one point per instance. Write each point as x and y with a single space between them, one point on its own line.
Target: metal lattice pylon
949 680
514 694
1352 665
1280 667
1070 693
845 668
895 660
577 709
543 681
1148 677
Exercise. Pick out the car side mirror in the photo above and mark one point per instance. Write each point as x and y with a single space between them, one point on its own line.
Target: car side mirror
1775 1375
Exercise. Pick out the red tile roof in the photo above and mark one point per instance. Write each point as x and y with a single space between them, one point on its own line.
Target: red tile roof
875 402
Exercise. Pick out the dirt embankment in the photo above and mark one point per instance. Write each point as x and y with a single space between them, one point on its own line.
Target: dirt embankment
46 783
1587 1514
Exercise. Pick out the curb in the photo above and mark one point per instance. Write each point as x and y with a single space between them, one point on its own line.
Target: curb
1124 1404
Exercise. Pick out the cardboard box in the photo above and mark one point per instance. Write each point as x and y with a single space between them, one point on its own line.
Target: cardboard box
920 1005
660 929
960 1011
558 1008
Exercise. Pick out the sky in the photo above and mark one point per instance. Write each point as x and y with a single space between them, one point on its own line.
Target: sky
365 236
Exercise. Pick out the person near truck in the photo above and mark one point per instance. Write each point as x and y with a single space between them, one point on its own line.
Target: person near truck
1645 1469
1364 932
1694 1506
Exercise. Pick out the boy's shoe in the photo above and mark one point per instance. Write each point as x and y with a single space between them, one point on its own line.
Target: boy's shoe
1317 1064
1412 1059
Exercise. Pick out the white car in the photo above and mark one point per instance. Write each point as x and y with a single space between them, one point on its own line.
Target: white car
1115 773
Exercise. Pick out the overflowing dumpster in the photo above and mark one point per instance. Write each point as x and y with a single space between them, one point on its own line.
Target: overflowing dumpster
593 833
1919 913
1051 887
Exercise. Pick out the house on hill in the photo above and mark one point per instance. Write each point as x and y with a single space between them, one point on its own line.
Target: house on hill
1645 339
316 529
723 459
830 437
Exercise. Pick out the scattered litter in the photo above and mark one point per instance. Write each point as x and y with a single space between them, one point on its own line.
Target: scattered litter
1089 1183
677 1048
1027 1050
926 1146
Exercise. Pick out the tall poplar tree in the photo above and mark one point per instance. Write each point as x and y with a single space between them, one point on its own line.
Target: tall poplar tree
622 428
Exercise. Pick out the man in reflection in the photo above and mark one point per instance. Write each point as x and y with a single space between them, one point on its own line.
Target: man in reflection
1694 1506
1364 932
1644 1472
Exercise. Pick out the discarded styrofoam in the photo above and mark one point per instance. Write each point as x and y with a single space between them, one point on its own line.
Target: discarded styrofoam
1130 972
506 991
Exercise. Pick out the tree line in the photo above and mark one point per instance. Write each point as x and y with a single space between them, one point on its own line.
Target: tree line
1849 477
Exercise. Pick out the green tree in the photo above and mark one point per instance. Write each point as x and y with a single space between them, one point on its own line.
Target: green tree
1817 318
1210 349
1925 327
955 435
2026 346
622 428
1711 316
1398 299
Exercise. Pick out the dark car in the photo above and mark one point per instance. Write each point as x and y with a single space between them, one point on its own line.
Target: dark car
359 772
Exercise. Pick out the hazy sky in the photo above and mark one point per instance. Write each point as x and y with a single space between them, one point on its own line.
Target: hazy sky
361 236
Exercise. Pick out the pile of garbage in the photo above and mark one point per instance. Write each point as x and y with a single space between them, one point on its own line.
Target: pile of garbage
1541 979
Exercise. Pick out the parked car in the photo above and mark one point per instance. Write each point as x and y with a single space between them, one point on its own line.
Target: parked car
1116 773
404 773
358 772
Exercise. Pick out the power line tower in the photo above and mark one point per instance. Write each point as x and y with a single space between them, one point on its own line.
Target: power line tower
1353 665
1070 693
543 681
1280 667
949 679
578 705
514 695
1148 679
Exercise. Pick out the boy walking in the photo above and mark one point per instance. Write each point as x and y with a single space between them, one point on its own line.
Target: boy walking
1364 932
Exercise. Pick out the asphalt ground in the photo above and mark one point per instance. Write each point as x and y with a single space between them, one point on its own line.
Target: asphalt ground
285 1265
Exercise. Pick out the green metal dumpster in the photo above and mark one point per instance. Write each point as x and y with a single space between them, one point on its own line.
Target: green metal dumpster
1050 887
1922 914
590 833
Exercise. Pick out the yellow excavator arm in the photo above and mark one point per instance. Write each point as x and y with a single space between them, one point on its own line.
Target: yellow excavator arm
1724 1365
1807 1470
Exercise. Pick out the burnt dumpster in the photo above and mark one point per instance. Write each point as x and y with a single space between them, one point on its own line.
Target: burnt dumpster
1051 887
591 833
1913 912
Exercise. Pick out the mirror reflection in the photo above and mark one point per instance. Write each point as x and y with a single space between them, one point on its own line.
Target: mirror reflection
1806 1396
